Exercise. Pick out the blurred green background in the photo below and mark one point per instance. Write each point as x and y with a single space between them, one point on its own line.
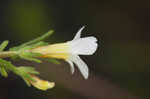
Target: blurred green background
120 68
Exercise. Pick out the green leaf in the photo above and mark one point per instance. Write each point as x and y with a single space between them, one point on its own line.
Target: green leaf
34 41
4 45
24 72
31 54
39 38
3 72
27 55
7 65
41 43
30 59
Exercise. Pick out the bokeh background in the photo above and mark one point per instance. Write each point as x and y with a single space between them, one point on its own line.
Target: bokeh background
120 68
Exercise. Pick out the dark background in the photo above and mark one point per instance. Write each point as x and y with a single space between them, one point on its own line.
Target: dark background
120 68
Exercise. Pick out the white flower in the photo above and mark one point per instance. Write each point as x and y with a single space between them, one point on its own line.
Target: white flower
81 46
70 51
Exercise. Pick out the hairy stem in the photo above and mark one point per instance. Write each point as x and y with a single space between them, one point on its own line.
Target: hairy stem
6 54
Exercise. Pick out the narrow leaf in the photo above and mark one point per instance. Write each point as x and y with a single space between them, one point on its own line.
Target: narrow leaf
3 72
30 59
33 41
39 38
4 45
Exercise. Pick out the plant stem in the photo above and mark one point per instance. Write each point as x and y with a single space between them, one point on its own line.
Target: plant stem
6 54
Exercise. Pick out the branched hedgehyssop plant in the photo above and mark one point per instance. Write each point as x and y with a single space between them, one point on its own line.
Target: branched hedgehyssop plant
37 48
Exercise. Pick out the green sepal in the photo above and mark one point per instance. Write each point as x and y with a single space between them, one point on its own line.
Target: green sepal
30 70
27 82
26 72
27 76
31 54
41 43
27 55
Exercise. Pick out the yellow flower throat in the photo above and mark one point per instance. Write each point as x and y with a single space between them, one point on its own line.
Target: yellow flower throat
60 51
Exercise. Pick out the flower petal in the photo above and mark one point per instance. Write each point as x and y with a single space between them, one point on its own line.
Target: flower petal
41 84
83 46
78 35
71 65
81 65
